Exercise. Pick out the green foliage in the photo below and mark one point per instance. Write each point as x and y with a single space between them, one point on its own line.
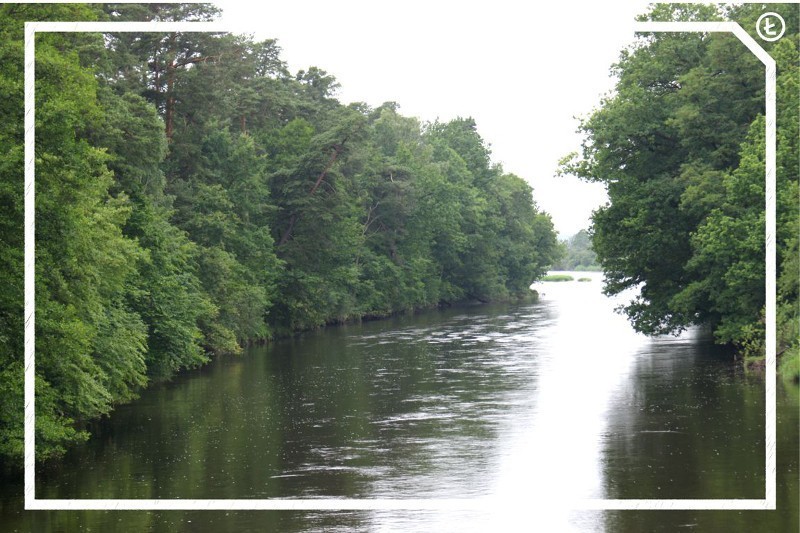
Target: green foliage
558 277
789 367
680 145
11 236
194 196
90 348
577 254
168 295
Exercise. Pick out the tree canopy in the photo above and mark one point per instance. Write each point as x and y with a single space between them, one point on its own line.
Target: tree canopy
577 253
679 145
193 196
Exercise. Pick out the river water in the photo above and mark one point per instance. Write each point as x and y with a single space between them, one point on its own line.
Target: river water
528 403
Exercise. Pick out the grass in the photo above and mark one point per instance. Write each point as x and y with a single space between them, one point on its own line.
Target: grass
789 366
558 277
584 279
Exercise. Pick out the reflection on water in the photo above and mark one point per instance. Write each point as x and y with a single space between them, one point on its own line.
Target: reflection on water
555 438
526 403
688 411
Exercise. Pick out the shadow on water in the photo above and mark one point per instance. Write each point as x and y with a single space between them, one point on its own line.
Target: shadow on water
691 426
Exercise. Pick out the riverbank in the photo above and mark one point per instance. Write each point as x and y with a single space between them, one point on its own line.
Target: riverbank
788 369
532 296
13 467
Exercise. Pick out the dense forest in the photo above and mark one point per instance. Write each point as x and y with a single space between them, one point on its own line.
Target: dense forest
679 145
193 196
577 254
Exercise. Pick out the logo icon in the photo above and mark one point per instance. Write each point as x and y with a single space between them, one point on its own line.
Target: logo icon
770 26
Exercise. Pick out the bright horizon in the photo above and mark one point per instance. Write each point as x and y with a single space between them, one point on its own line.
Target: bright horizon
522 72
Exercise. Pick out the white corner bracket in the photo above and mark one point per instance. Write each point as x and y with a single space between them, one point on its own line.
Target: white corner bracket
461 504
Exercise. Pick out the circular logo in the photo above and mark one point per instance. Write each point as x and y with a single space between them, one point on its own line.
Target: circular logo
770 26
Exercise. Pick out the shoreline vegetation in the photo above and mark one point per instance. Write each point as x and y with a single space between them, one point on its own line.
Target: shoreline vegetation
194 197
557 277
680 147
577 254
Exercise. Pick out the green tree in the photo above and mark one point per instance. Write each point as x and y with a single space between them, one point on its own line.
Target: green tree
194 196
90 344
578 253
166 292
11 235
680 146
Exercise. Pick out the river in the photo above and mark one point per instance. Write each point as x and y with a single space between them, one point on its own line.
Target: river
528 403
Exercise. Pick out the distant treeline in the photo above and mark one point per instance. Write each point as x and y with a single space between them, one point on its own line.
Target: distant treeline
192 196
577 254
680 146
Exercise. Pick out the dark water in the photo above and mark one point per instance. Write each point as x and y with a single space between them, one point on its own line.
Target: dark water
550 401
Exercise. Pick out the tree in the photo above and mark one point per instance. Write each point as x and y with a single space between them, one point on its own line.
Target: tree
578 253
194 196
680 146
90 344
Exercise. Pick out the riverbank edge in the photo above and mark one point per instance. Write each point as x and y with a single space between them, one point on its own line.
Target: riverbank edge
12 468
788 367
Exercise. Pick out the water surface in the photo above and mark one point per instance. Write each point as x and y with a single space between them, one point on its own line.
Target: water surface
526 402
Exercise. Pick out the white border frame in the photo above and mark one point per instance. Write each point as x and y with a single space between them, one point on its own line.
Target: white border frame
464 504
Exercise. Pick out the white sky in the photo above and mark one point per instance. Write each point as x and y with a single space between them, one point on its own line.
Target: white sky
523 70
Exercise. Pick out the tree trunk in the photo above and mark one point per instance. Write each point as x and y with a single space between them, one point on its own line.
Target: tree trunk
337 149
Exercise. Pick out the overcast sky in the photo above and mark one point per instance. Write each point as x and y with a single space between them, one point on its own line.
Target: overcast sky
523 70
